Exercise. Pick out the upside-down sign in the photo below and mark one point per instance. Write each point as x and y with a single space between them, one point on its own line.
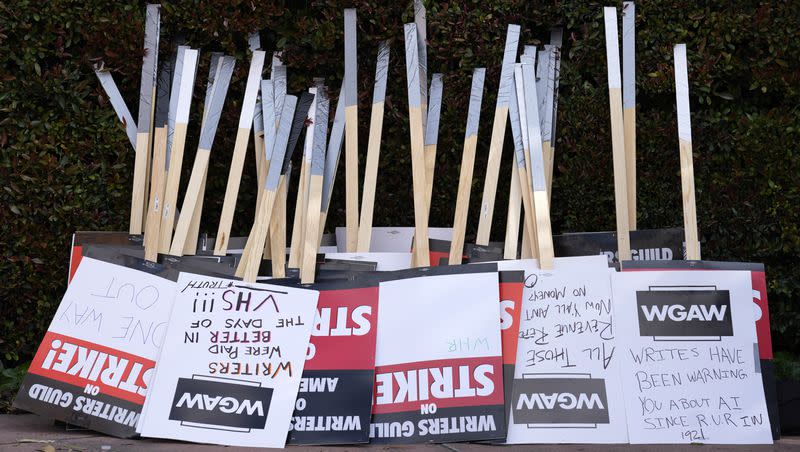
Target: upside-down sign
438 365
96 361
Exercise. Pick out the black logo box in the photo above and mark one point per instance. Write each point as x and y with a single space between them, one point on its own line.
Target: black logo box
703 299
203 415
569 387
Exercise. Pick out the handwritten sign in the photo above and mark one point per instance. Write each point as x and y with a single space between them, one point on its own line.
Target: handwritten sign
438 365
335 398
690 357
231 363
566 386
96 361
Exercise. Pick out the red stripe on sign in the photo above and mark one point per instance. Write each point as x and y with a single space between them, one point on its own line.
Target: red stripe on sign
344 332
447 383
510 308
77 255
81 363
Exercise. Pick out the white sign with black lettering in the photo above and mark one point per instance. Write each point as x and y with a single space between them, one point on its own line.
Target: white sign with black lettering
690 357
566 385
231 364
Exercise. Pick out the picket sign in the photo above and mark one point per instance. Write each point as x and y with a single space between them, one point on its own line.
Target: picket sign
617 132
192 200
436 354
529 248
301 202
498 135
567 351
206 356
685 141
689 358
467 165
373 149
95 364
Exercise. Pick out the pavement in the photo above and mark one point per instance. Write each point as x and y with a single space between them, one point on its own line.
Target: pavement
28 432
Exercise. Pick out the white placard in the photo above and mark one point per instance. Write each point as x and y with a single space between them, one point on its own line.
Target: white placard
386 261
438 364
231 363
566 384
96 362
690 357
392 239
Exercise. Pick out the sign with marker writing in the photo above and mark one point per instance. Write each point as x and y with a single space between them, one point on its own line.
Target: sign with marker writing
96 362
690 357
231 363
438 364
566 387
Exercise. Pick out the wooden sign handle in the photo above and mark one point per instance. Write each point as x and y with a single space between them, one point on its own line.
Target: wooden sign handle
685 140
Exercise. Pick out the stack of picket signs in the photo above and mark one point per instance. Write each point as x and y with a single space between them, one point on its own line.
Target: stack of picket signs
397 335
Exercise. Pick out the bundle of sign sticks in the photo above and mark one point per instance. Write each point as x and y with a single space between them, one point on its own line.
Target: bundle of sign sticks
391 336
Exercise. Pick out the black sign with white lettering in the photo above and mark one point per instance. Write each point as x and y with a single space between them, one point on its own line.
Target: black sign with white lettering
684 313
220 404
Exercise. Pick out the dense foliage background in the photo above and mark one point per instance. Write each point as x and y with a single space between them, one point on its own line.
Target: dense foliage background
66 165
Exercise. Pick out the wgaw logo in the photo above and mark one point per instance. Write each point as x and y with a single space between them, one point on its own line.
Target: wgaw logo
569 400
684 313
220 404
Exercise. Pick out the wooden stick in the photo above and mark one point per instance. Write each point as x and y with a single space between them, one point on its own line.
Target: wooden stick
556 35
498 136
147 94
432 135
351 129
254 42
248 268
190 209
422 257
525 163
157 181
180 102
239 149
373 149
629 103
277 228
617 134
467 165
332 160
515 190
685 140
420 20
310 246
300 208
541 208
547 79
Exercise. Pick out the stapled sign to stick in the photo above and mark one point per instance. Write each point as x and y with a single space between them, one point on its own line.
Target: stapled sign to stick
96 362
232 360
690 359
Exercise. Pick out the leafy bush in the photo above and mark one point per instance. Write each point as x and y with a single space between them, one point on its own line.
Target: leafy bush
66 165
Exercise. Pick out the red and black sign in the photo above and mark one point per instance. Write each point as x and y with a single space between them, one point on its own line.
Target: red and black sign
86 384
512 284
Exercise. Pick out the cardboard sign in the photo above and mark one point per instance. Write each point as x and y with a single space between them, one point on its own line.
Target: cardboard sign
231 362
335 397
385 261
690 357
566 386
96 361
438 364
759 281
646 244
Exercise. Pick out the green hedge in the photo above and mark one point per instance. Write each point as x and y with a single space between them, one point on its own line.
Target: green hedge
65 163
